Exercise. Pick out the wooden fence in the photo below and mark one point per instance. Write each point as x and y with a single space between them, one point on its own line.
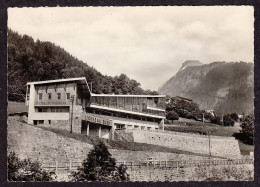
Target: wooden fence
72 166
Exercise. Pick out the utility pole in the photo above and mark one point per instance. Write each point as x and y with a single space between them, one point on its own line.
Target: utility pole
71 116
209 142
203 118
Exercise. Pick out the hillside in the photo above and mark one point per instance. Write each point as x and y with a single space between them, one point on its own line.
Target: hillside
34 142
224 87
30 60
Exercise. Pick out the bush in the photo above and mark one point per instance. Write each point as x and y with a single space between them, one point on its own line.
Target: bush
100 166
216 120
172 115
26 170
228 120
248 128
234 116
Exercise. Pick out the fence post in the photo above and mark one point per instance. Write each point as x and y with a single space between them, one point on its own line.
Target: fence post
56 167
160 163
70 165
154 164
177 167
166 163
132 164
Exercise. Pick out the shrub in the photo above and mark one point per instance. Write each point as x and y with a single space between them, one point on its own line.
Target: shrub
248 128
172 115
216 120
100 166
234 116
26 170
228 120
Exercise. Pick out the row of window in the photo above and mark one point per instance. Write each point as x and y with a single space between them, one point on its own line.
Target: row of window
122 126
54 109
58 96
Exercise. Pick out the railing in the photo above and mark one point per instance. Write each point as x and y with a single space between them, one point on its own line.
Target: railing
132 109
72 166
184 163
121 136
53 102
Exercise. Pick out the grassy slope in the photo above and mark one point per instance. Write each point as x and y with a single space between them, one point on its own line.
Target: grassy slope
133 146
193 126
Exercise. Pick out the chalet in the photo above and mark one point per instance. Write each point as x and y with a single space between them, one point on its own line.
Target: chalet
69 104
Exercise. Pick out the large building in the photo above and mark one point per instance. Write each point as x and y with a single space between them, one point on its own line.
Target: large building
69 104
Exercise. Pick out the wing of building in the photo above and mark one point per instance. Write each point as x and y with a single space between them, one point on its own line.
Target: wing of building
69 104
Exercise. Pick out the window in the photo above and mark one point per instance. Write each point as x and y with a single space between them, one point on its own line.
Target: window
119 126
68 95
148 128
59 95
142 127
40 95
49 95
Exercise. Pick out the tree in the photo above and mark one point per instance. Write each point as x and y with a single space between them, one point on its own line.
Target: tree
228 120
26 170
234 116
248 128
100 166
215 120
171 115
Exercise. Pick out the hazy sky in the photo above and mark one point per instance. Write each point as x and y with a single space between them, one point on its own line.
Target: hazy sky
148 44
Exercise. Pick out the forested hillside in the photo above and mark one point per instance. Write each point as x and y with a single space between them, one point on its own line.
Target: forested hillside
224 87
30 60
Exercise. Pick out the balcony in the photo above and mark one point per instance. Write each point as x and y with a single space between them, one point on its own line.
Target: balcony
53 102
50 116
131 109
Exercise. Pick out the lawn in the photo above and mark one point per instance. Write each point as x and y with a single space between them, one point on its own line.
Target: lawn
16 107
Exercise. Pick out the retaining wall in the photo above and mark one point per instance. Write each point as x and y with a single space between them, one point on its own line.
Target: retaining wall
224 147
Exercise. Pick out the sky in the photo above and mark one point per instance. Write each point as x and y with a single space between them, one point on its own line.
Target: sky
148 44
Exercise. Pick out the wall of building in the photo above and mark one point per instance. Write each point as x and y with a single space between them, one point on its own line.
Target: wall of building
225 147
61 88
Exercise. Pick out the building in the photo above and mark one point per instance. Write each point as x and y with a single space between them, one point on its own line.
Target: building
69 104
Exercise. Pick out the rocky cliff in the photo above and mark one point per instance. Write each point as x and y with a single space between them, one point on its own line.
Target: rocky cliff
224 87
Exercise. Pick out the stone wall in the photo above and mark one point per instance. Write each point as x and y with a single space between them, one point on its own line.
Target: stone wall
224 147
231 173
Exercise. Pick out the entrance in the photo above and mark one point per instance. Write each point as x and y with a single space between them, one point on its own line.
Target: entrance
84 126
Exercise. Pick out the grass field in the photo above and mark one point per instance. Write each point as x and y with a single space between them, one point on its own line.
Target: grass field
16 107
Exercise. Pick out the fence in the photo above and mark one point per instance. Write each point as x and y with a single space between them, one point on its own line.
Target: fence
72 166
185 163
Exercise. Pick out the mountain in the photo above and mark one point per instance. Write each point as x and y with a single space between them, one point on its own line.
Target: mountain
224 87
30 60
190 63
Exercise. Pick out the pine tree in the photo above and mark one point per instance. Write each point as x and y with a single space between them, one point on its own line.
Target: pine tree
100 166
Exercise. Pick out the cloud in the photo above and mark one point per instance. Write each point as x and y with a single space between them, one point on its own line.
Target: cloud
148 44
